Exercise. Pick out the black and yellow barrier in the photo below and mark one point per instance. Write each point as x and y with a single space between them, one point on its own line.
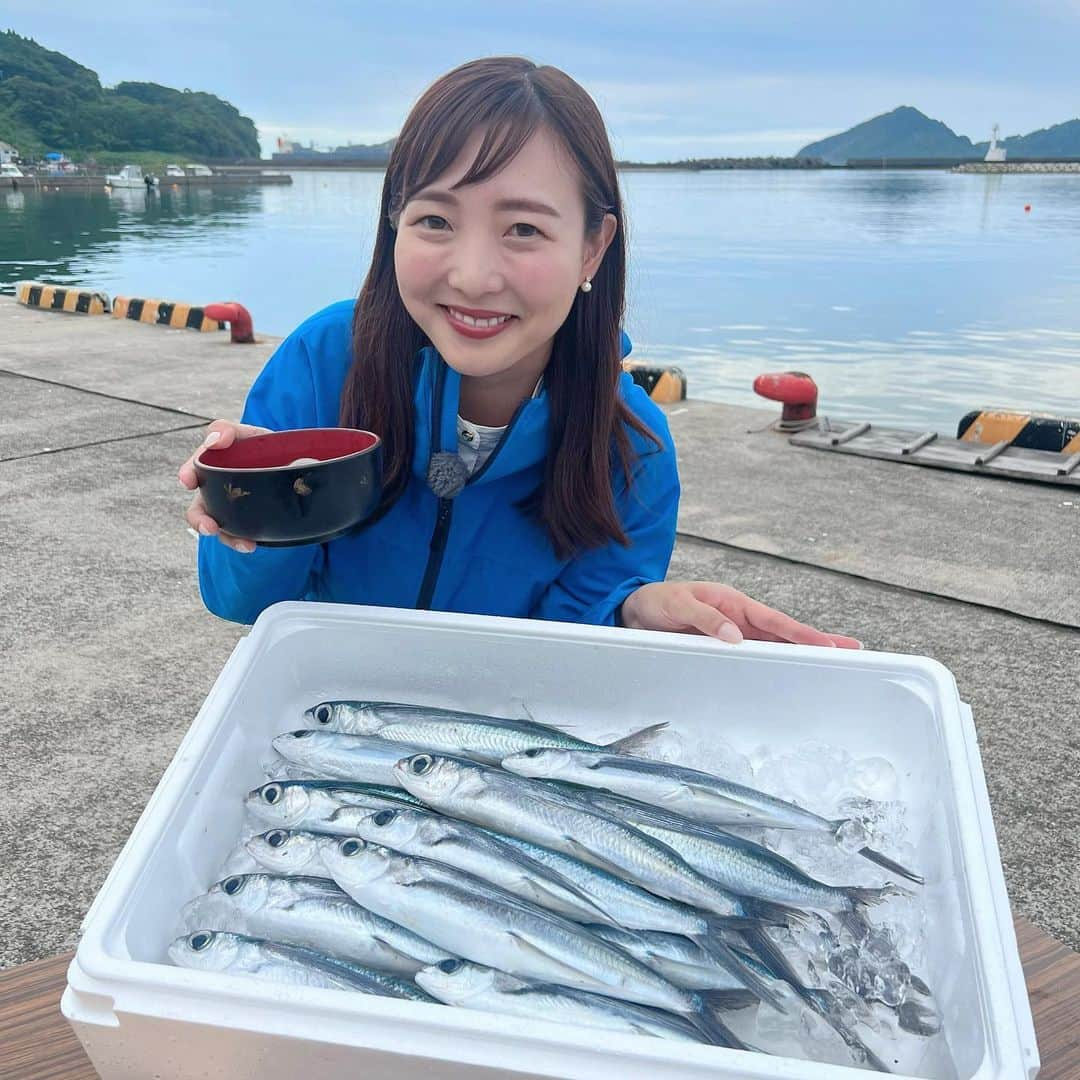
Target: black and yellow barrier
60 298
1027 431
164 313
663 384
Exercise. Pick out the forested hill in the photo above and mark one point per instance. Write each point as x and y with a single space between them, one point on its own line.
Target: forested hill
908 133
50 102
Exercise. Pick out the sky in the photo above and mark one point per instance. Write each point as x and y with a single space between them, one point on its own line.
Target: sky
675 79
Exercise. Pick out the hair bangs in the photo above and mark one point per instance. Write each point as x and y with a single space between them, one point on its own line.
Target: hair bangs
508 121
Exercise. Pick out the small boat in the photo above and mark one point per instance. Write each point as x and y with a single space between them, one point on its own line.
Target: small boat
11 174
174 170
130 176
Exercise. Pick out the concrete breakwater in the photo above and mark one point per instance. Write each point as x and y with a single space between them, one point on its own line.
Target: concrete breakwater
1018 167
35 182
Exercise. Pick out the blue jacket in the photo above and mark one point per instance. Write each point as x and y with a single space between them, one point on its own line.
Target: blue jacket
494 560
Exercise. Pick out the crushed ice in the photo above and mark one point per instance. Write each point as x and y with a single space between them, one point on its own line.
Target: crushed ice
873 963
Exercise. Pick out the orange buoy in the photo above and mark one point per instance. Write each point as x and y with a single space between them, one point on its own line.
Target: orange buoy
1027 208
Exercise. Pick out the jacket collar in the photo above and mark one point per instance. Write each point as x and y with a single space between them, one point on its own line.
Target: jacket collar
438 390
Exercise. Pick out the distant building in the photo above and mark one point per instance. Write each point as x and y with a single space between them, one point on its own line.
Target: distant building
378 154
8 153
995 153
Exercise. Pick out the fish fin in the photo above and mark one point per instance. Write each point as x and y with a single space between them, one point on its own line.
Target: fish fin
920 987
580 851
855 923
891 866
776 914
821 1001
918 1019
733 1000
824 1003
711 1026
532 948
730 960
537 875
636 739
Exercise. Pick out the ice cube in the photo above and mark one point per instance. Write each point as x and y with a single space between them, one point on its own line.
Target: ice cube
875 778
852 835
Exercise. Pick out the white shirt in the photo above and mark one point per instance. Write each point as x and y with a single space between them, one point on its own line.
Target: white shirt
476 441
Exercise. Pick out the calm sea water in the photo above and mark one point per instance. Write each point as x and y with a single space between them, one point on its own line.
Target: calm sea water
911 297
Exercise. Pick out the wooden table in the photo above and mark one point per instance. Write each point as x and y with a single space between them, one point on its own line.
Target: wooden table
37 1044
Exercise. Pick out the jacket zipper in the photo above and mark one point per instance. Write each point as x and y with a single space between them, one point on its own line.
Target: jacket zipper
439 534
435 556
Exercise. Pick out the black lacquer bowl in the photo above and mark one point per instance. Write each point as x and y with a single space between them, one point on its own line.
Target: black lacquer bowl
293 487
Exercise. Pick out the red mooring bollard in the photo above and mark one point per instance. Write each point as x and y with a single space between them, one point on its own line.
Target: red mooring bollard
237 316
796 390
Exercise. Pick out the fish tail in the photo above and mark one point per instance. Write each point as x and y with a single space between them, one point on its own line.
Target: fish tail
727 958
821 1001
824 1003
892 866
877 857
870 897
711 1026
636 739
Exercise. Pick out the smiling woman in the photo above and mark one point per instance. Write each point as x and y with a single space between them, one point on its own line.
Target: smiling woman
524 473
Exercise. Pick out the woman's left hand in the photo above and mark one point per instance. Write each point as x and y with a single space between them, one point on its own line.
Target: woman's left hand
706 607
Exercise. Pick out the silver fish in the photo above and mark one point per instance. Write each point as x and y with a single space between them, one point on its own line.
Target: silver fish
469 848
472 986
746 867
291 852
237 954
625 904
553 819
473 735
486 924
356 758
313 913
309 804
699 795
677 958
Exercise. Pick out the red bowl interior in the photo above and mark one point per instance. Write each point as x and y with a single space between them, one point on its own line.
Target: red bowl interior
280 449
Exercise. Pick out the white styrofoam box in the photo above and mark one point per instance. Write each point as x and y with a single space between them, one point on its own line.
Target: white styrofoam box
139 1017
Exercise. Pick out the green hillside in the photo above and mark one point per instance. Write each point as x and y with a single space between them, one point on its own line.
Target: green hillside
903 133
49 102
1059 141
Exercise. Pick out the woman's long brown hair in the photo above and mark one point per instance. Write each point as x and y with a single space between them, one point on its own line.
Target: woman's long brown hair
508 98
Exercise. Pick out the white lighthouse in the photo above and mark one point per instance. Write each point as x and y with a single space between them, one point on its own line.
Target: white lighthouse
995 153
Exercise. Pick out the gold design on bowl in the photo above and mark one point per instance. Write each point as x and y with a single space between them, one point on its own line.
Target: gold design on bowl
301 487
234 493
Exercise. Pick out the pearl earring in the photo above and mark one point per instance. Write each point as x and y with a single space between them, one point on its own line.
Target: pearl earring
586 285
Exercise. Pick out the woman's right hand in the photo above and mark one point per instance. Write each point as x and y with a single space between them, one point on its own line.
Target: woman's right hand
219 434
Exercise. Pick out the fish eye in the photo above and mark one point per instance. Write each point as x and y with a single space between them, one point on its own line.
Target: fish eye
271 793
421 764
303 734
351 847
535 752
276 838
233 885
384 817
448 967
323 714
200 940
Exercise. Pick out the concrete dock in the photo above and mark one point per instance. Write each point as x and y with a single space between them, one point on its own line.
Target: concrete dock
106 652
